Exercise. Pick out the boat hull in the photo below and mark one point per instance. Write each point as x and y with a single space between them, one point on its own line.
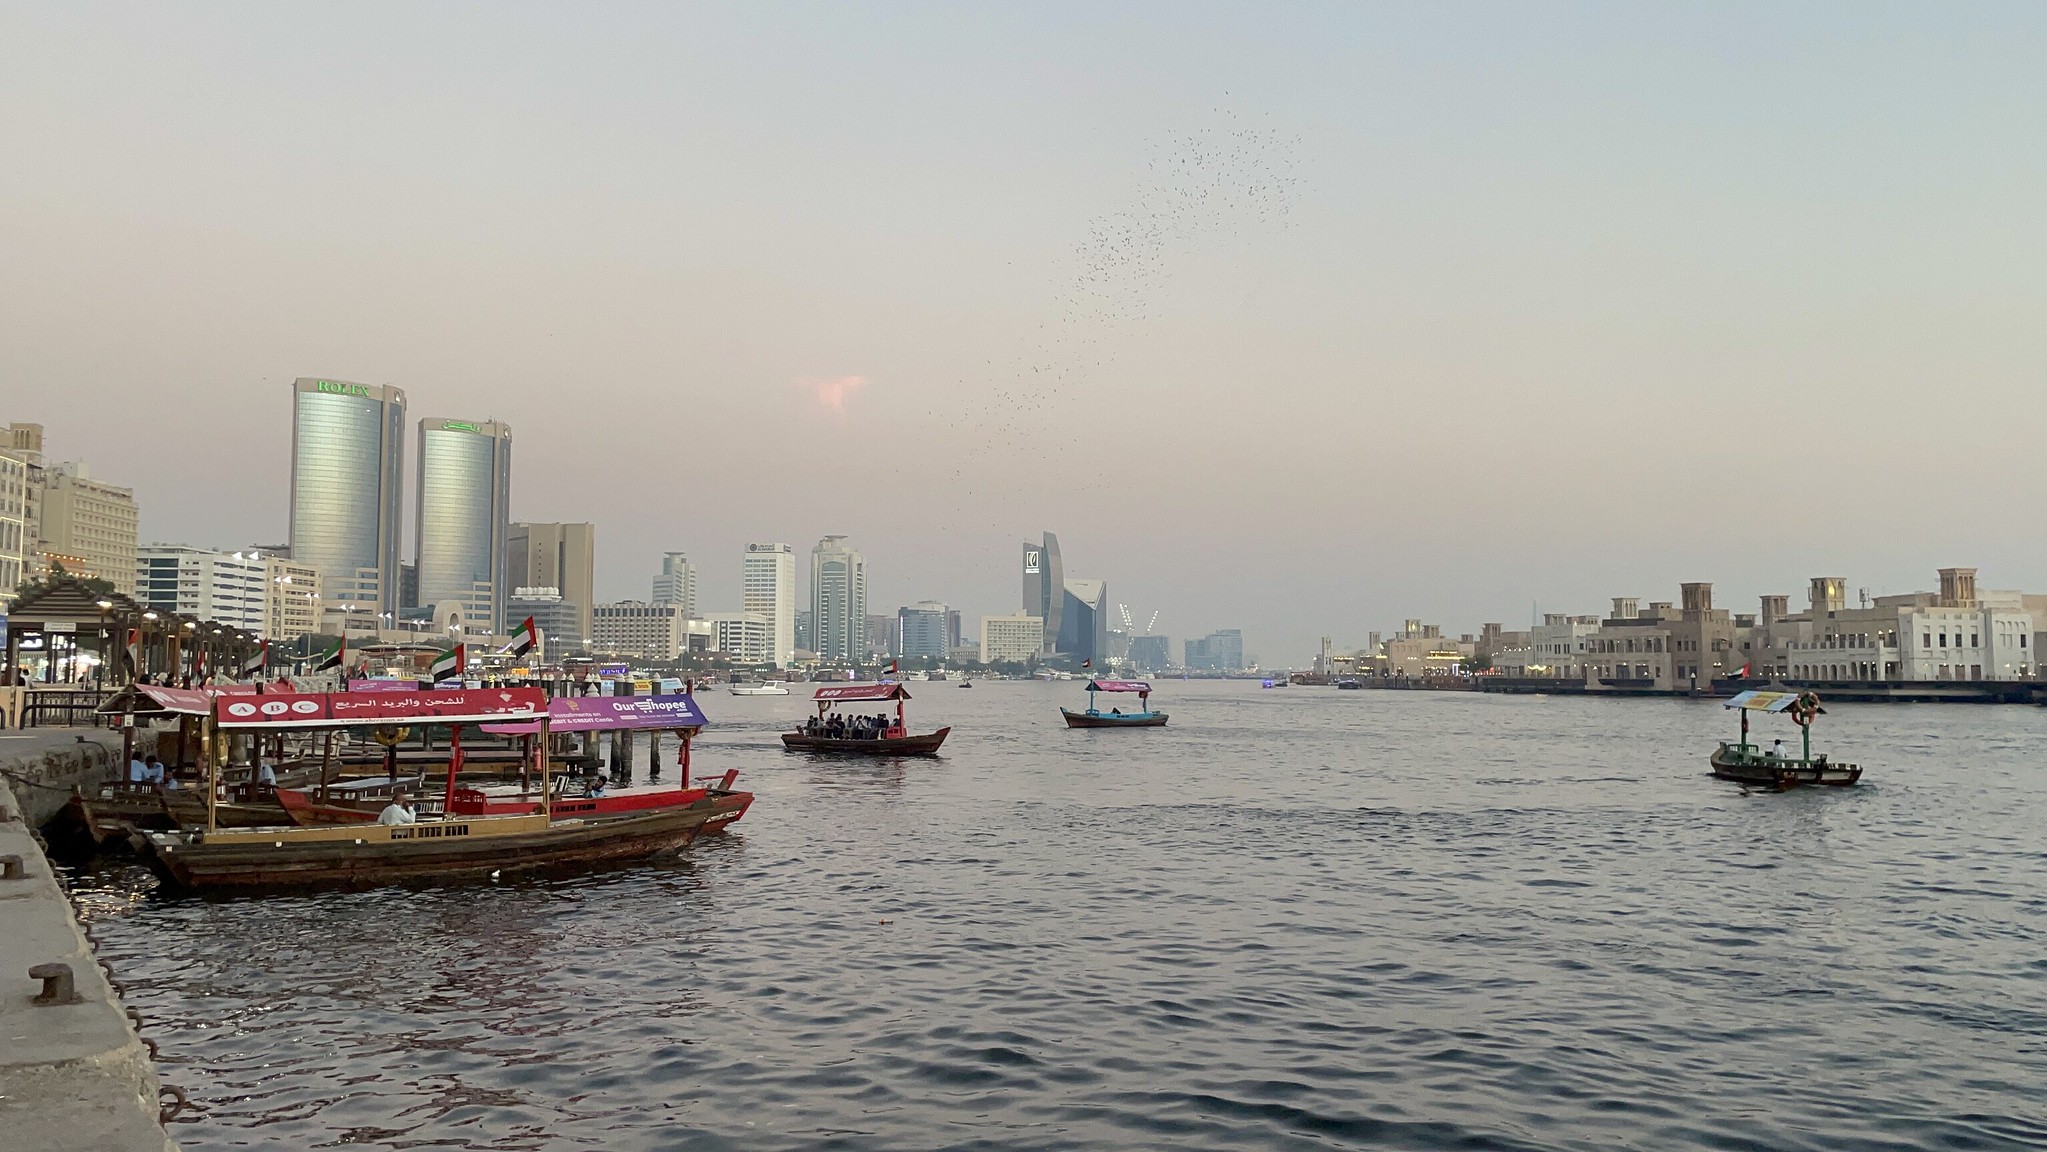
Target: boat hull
1110 720
925 745
1781 775
450 851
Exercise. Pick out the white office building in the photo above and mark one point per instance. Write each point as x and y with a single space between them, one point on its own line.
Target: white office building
223 587
744 636
838 599
1011 639
768 590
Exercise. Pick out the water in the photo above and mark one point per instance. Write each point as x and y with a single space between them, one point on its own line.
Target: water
1295 918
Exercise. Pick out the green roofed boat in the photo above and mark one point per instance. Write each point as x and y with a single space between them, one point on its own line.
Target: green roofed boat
1770 767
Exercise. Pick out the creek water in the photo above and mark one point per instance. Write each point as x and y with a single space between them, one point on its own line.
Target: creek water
1293 918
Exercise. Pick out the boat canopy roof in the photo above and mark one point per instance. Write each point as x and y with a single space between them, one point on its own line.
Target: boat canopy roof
863 692
1118 686
161 700
1757 701
277 710
610 714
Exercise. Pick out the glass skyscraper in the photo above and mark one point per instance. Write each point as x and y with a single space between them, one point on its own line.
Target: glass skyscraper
464 520
347 472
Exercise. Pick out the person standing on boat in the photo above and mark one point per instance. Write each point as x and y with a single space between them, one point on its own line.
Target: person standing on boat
399 811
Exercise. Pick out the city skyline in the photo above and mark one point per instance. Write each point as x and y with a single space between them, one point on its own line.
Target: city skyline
1393 313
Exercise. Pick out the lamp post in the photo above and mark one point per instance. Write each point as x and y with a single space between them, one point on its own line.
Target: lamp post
105 606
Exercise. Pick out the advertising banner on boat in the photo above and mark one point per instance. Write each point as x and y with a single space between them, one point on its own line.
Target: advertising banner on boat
310 709
383 685
1118 686
188 701
863 692
610 713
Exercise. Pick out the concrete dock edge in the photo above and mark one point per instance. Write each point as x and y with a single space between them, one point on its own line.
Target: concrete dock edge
73 1075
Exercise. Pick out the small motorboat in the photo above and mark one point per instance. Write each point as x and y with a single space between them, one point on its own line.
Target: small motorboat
966 684
760 688
1747 763
1116 717
820 735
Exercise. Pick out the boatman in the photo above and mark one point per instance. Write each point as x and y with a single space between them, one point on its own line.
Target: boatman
399 811
1777 748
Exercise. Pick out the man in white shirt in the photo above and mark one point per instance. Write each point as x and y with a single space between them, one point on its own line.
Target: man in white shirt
399 811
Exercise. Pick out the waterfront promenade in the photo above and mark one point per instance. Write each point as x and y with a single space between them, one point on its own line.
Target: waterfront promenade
73 1073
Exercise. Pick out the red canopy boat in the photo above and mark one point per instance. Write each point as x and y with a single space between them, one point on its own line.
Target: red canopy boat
853 738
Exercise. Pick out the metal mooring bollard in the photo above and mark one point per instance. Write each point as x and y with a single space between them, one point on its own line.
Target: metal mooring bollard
58 985
11 868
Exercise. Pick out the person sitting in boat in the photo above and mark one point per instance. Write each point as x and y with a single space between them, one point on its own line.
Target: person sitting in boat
400 810
1777 749
596 789
138 770
266 774
152 770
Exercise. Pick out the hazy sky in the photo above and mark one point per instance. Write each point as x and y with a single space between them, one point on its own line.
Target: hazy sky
1299 319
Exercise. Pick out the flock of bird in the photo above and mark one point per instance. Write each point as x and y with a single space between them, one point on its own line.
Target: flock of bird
1227 181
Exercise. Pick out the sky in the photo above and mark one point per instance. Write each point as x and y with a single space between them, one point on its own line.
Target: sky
1302 319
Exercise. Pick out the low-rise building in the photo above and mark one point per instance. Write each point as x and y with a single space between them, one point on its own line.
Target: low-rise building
1556 647
557 619
292 596
1011 639
746 637
1956 633
637 628
204 583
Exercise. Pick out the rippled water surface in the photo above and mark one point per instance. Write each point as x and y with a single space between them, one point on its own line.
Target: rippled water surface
1295 918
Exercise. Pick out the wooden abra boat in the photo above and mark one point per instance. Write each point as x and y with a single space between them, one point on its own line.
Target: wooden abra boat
1116 717
474 848
820 734
1752 764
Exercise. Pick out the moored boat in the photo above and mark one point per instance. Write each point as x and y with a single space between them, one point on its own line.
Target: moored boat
829 734
1753 764
765 688
1144 717
473 848
456 847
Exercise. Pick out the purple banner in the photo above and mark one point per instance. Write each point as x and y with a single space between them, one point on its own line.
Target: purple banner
608 713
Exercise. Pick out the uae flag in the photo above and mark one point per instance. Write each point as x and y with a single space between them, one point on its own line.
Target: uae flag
334 656
1087 663
525 640
449 665
256 663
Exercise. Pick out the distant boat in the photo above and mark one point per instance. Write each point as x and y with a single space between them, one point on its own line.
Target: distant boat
1116 718
761 689
966 684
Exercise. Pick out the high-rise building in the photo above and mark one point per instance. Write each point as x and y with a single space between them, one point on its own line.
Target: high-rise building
838 599
806 631
85 524
881 636
1150 653
291 598
1044 585
1084 621
347 477
221 587
768 590
464 520
558 556
677 583
927 630
1011 639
